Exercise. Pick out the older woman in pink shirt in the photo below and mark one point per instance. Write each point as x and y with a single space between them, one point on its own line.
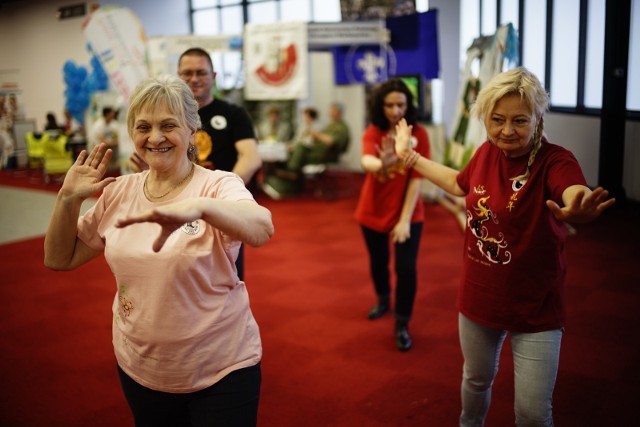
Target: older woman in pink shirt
187 346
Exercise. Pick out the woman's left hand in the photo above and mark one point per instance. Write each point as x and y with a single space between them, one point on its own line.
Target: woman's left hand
582 208
401 232
170 217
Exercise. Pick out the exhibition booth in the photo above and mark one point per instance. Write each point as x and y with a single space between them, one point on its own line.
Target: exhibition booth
291 65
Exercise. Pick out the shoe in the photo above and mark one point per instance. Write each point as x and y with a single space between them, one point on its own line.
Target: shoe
314 169
287 174
378 310
403 339
271 192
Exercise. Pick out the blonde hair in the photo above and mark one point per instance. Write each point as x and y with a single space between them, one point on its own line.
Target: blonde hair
169 91
519 81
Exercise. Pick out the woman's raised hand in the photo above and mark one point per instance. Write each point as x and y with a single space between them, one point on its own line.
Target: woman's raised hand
85 177
386 152
169 217
403 138
137 164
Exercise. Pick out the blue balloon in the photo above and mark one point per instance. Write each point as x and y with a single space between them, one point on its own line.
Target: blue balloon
103 84
81 84
82 73
75 84
91 83
69 66
79 117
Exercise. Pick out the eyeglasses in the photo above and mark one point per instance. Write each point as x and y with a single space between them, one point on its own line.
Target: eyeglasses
186 75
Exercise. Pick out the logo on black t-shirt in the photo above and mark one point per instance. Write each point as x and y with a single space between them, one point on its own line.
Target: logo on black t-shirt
218 122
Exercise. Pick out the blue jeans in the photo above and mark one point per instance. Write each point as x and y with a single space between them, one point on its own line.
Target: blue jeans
535 362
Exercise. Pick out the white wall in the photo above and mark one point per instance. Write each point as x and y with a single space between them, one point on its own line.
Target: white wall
449 45
580 135
36 44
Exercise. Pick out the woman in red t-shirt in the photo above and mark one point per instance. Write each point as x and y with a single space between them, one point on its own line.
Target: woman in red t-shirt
389 206
514 265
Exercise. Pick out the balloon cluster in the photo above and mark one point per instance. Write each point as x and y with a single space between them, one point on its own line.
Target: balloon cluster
81 85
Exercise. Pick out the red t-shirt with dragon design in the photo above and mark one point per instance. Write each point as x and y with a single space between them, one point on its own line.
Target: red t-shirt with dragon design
514 263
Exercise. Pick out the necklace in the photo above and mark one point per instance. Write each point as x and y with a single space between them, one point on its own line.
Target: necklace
151 196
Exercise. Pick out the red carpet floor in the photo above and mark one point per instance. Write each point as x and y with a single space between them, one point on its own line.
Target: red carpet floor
325 364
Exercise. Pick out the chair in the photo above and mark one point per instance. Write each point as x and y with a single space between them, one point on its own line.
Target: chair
35 148
322 179
57 159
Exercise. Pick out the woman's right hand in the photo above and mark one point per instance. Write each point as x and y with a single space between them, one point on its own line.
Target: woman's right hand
403 138
137 164
386 152
85 177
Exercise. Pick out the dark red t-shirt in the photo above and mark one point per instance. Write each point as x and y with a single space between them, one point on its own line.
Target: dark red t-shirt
514 264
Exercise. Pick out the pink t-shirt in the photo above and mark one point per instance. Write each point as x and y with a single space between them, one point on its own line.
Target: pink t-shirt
181 317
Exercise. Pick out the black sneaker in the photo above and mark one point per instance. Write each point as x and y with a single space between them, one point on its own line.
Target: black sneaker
378 310
403 339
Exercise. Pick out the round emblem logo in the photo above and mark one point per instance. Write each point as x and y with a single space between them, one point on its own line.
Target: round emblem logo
191 228
218 122
517 185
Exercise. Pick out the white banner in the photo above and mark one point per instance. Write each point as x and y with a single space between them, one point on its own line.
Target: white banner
330 34
117 38
276 60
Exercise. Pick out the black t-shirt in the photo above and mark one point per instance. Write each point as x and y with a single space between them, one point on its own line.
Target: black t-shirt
224 125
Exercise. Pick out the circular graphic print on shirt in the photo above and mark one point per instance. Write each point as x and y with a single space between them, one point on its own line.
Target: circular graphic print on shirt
191 228
218 122
517 184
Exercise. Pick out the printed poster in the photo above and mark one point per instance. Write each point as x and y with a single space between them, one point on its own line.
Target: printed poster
276 61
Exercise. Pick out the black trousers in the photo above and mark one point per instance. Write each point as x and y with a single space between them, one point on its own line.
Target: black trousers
231 402
240 262
406 256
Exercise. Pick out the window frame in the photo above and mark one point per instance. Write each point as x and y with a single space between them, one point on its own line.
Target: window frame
579 108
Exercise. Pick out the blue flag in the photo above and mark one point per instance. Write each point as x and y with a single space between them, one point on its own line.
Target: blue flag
413 50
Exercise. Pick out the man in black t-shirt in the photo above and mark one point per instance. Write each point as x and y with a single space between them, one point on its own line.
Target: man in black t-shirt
227 139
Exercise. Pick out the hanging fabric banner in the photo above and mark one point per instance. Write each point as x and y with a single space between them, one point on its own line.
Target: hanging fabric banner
276 61
493 53
413 50
363 64
118 40
417 55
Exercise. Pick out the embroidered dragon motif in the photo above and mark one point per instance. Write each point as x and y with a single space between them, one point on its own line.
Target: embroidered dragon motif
490 247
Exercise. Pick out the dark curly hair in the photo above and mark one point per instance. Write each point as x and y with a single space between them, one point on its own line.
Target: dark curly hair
376 104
